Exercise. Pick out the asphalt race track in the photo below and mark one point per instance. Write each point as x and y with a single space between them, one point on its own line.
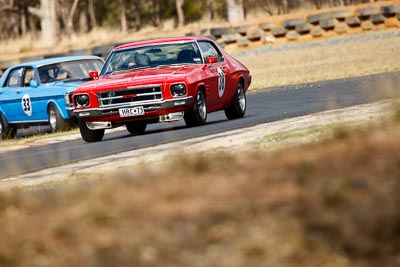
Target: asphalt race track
262 106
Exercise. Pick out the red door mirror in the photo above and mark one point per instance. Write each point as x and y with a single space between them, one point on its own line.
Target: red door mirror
94 75
211 60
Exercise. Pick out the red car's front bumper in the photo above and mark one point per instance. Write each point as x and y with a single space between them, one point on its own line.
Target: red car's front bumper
152 109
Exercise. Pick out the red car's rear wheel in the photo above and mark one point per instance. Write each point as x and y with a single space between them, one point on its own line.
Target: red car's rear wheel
238 105
136 128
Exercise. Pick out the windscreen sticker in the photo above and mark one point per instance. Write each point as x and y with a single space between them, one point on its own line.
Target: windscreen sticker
26 105
221 82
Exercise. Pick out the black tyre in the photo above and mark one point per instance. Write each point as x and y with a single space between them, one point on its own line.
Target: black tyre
198 114
290 24
242 30
303 28
230 38
238 105
377 19
6 131
278 31
328 24
218 32
268 26
353 21
390 11
57 123
90 135
365 12
315 18
342 14
255 35
136 128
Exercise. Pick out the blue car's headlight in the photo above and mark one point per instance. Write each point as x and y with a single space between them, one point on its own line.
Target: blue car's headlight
82 100
178 89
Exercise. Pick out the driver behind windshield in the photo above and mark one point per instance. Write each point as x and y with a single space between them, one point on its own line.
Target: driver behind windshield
44 76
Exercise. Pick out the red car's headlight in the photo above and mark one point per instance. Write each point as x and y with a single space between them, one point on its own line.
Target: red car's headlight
82 100
178 89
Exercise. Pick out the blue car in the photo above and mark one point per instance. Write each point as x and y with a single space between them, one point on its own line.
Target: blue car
37 92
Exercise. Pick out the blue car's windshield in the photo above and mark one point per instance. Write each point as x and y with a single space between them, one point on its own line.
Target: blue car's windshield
69 70
153 56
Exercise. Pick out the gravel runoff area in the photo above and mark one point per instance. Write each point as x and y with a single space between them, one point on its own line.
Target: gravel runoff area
269 136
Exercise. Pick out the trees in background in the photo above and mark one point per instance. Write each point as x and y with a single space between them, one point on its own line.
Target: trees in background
52 18
235 10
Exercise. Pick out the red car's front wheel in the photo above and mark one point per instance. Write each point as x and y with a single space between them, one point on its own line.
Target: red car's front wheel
90 135
197 115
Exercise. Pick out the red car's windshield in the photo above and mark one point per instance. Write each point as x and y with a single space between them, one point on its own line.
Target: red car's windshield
153 56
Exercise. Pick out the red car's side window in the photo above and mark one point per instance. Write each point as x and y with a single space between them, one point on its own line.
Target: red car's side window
209 50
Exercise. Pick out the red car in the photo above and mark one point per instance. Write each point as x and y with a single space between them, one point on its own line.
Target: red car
161 80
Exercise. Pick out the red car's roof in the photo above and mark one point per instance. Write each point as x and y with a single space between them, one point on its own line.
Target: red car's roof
163 40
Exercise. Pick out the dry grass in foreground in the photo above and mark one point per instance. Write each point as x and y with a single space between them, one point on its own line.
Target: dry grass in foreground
333 203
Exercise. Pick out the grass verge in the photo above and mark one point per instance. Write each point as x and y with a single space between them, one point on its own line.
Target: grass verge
323 62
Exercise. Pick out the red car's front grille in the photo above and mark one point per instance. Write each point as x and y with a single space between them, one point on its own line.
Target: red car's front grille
137 95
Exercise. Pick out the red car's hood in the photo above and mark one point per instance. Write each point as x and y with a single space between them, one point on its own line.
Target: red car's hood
158 75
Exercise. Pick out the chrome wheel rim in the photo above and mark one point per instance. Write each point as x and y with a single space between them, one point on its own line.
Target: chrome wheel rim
52 118
1 127
241 97
201 105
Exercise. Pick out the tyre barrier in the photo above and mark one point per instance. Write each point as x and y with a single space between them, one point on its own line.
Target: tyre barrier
278 29
290 24
303 28
328 24
353 21
367 25
268 26
317 32
337 21
341 28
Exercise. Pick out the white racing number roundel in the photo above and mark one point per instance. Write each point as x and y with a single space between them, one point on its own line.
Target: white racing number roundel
26 104
221 82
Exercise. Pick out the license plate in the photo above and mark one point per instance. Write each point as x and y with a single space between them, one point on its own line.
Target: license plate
130 112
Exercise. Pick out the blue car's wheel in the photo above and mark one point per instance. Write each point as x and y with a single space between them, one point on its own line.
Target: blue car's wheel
57 123
6 131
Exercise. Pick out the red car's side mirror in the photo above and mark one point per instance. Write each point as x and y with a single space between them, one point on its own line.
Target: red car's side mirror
211 60
94 75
